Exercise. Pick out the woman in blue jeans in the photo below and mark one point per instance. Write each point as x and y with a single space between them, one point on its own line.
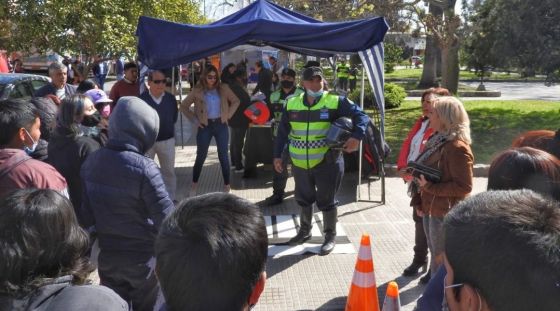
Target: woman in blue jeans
214 104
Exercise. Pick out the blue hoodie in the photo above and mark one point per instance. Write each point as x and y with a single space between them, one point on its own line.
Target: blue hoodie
125 199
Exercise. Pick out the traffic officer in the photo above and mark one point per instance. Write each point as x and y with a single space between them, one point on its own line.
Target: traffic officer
316 168
342 75
278 100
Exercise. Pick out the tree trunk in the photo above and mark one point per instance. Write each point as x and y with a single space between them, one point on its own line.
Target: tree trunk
429 72
450 68
428 78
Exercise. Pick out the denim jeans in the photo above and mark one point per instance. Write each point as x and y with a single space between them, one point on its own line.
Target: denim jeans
220 132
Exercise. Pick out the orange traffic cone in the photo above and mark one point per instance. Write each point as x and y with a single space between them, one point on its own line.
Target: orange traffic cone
363 291
392 300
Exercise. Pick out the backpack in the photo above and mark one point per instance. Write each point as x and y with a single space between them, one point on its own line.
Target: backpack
375 151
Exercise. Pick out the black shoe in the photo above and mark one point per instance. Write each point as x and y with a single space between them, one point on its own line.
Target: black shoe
328 245
426 278
300 237
250 173
414 268
274 199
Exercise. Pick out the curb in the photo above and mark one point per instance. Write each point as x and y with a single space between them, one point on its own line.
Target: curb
418 93
479 170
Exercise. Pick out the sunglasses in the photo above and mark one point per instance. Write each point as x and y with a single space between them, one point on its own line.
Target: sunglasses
159 81
211 77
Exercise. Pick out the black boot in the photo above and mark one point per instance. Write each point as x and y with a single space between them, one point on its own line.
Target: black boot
274 199
426 278
414 268
304 232
329 223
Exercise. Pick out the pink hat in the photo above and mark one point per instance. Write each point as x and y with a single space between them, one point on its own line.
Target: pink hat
98 96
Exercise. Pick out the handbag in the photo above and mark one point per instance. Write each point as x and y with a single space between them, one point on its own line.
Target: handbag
430 174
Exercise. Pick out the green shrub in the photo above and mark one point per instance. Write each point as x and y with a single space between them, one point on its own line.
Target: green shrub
394 96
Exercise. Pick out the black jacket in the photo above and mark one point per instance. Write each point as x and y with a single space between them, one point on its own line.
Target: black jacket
67 153
239 119
264 84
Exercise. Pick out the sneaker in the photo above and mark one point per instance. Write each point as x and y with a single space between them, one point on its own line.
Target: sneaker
227 188
239 170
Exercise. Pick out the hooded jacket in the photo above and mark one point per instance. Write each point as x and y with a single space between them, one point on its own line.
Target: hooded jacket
124 194
60 294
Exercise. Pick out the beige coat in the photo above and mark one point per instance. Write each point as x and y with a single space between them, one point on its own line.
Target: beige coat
229 104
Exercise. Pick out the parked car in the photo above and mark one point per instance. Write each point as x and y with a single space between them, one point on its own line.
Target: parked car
20 85
40 62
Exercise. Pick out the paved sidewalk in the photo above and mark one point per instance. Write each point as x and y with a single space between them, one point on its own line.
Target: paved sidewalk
311 282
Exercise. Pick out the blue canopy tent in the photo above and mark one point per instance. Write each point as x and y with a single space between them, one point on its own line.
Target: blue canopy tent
163 44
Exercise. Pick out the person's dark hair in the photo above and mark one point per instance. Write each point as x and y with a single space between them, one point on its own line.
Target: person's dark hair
86 85
130 65
15 114
440 91
259 64
71 113
40 240
505 243
47 110
312 63
211 251
207 70
546 140
525 168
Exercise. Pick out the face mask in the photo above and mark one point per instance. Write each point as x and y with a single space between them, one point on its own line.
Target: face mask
317 94
92 120
30 150
287 84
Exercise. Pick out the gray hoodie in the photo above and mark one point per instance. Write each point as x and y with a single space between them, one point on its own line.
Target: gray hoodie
133 123
62 295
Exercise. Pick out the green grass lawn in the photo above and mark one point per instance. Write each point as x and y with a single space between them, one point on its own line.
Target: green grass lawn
413 73
494 124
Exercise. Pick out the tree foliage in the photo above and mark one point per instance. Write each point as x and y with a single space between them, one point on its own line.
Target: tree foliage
400 14
521 34
89 27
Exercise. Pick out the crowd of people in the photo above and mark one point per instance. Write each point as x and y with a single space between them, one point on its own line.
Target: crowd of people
78 182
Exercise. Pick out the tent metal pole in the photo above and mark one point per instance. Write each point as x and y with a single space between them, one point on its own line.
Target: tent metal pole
181 100
360 152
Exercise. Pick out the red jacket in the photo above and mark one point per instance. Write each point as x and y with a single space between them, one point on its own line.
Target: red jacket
29 174
405 148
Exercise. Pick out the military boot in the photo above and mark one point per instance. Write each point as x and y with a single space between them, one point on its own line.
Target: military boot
329 223
304 232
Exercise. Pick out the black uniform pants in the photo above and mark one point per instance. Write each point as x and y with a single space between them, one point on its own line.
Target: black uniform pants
130 276
237 140
279 180
321 183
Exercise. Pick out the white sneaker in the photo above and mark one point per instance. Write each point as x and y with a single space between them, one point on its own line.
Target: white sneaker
227 188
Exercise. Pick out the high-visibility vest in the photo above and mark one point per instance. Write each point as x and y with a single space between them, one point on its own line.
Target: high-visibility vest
352 74
309 126
277 106
342 71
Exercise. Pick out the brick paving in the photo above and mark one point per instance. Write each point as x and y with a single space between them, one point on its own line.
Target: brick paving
311 282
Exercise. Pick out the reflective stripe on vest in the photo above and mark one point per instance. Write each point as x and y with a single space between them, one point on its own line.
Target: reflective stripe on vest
342 71
277 106
309 126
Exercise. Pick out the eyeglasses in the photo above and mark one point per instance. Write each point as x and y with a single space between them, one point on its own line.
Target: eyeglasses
159 81
211 77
